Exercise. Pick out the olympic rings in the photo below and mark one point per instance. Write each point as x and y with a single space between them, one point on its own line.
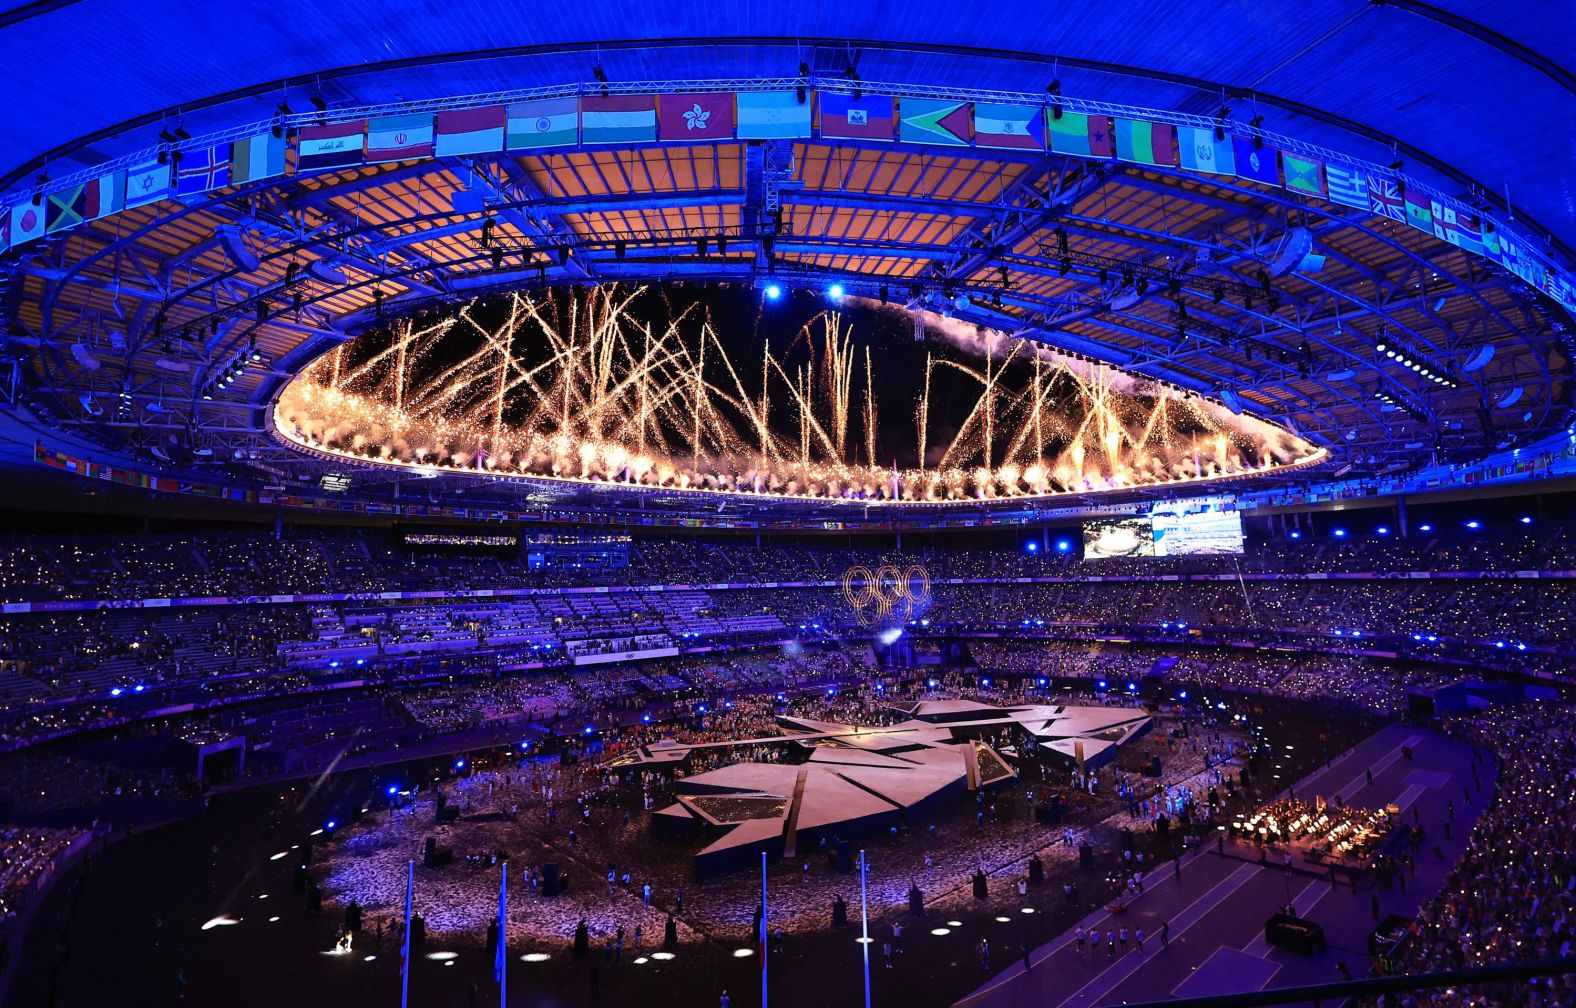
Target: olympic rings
874 595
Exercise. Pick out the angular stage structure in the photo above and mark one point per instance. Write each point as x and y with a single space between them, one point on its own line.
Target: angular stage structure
841 781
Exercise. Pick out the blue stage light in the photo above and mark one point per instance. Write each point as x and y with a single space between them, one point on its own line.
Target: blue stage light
773 291
590 730
1063 545
1339 533
1032 546
1382 530
116 691
985 682
1295 534
459 764
646 718
1526 519
1425 528
330 824
1042 680
1100 685
1182 695
1474 524
393 789
835 292
524 746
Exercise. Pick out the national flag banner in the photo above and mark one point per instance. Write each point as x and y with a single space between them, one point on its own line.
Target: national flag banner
1302 174
148 183
203 170
695 117
5 230
925 120
1346 186
868 117
1079 135
470 131
1490 239
257 157
618 119
1469 232
1011 127
549 122
65 209
1384 198
1419 213
772 115
27 224
1256 161
1444 218
106 195
334 146
1144 142
1204 150
400 137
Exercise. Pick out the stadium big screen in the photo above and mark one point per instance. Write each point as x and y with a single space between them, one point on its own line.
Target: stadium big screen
1119 537
1201 532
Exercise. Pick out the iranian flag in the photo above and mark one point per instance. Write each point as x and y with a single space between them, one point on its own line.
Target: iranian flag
400 137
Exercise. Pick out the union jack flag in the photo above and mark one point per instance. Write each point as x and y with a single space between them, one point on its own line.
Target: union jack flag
1385 199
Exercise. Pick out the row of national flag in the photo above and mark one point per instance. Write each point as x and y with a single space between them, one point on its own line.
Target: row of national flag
758 115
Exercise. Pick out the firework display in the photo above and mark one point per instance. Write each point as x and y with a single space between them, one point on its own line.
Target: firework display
588 386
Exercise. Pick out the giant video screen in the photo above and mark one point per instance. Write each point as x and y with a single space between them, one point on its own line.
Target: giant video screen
1118 537
1198 533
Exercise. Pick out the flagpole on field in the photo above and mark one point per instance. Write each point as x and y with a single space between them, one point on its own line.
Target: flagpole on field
501 961
765 948
864 923
404 961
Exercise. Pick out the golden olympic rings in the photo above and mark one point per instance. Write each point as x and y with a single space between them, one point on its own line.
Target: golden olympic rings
875 595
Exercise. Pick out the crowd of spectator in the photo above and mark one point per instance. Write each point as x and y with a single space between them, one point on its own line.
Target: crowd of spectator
1510 897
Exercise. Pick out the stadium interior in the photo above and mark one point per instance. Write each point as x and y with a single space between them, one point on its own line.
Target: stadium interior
726 505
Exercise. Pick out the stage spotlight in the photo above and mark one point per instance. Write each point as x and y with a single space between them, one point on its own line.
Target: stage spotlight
835 292
1526 519
1425 528
1064 545
1474 524
1339 533
773 291
459 764
1032 546
1382 530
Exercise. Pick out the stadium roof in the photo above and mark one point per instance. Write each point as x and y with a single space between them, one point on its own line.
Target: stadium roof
1191 278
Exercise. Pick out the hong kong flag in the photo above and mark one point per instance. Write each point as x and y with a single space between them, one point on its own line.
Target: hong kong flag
697 117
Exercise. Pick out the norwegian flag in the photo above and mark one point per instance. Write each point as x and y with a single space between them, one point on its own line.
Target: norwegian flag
1385 199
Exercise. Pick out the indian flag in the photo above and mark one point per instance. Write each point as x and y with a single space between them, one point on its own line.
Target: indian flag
772 115
550 122
618 119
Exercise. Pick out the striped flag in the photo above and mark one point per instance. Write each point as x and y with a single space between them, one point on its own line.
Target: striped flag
469 131
618 119
1469 232
695 117
1302 174
257 157
772 115
1203 150
1013 127
1143 142
1346 186
27 224
924 120
1419 213
1079 135
148 183
868 117
106 195
332 146
1490 238
203 170
550 122
399 137
1384 198
1257 163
